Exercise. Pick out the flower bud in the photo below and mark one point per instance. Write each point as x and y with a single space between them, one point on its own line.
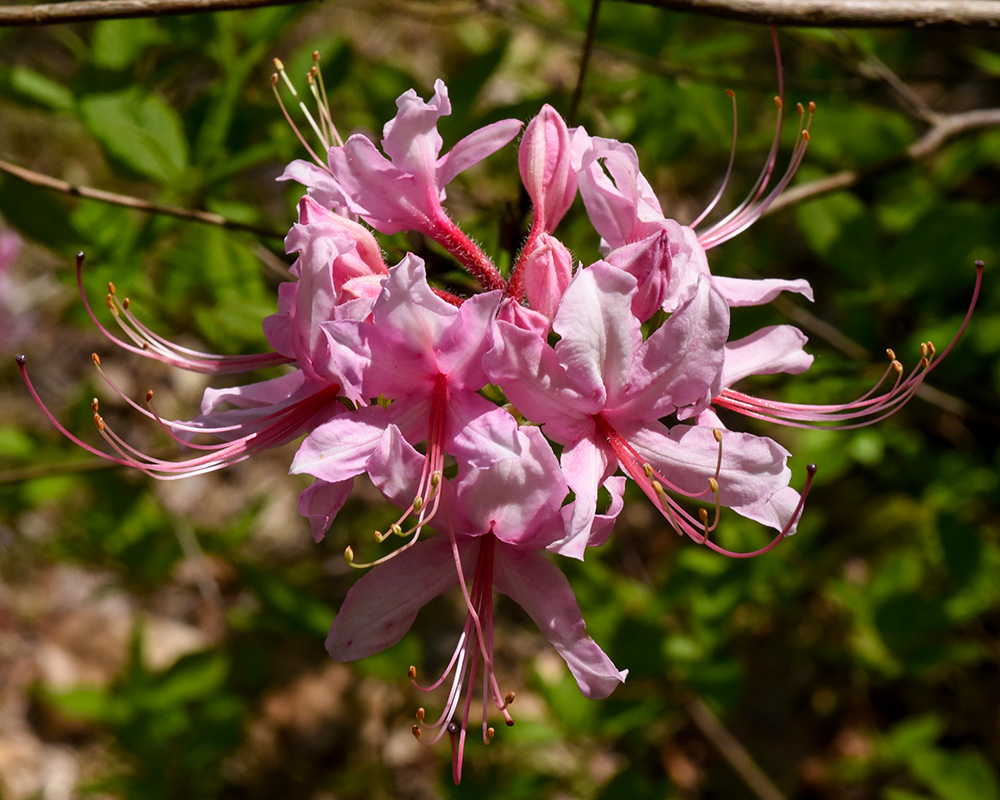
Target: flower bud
544 163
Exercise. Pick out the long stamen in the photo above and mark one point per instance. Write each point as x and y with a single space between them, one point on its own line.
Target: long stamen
152 345
866 410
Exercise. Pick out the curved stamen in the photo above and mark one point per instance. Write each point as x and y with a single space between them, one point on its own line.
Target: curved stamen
151 345
865 410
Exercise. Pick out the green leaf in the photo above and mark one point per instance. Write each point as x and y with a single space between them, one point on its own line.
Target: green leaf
40 89
958 776
139 130
116 43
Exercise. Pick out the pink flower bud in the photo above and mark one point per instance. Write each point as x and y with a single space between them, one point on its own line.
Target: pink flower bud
547 272
544 162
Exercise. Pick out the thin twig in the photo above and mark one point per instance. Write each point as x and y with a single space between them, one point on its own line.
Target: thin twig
65 187
731 749
845 13
89 10
588 47
948 127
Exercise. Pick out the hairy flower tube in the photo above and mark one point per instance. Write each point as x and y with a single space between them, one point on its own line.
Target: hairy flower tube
495 422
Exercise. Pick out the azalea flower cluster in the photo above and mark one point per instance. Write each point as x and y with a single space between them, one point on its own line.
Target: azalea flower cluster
504 425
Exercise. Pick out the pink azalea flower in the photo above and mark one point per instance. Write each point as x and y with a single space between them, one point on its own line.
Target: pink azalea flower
497 518
404 189
425 355
601 391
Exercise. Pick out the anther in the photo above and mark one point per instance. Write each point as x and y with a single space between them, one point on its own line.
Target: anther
717 434
274 79
96 359
111 288
93 405
21 359
800 109
703 516
452 728
730 93
490 733
349 554
278 65
508 699
418 503
896 365
658 489
435 479
805 135
316 56
125 303
811 469
149 395
421 714
812 107
891 353
412 673
99 423
713 484
415 730
647 469
779 103
930 347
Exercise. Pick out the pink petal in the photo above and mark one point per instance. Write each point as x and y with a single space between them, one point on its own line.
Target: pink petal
765 352
753 292
474 148
321 503
600 336
381 607
586 466
539 587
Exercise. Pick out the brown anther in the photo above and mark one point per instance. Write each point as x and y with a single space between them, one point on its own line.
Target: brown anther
99 423
421 713
923 349
21 359
713 484
316 56
811 469
800 109
891 353
805 135
930 347
149 395
730 93
274 78
812 107
717 434
412 673
94 405
778 102
896 365
490 733
110 300
145 345
111 288
311 76
278 65
509 698
96 359
703 516
125 303
415 730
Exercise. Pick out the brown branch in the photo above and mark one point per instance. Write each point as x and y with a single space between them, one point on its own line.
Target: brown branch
948 127
588 47
204 217
845 13
731 749
88 10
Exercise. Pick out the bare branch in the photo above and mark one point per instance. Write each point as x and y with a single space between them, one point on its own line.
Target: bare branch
588 47
845 13
204 217
732 750
87 10
947 128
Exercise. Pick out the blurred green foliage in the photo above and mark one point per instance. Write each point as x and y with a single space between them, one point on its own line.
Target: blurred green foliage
859 660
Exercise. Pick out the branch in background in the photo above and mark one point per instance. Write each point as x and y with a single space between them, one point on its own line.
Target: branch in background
89 10
804 13
947 127
588 47
731 749
204 217
844 13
